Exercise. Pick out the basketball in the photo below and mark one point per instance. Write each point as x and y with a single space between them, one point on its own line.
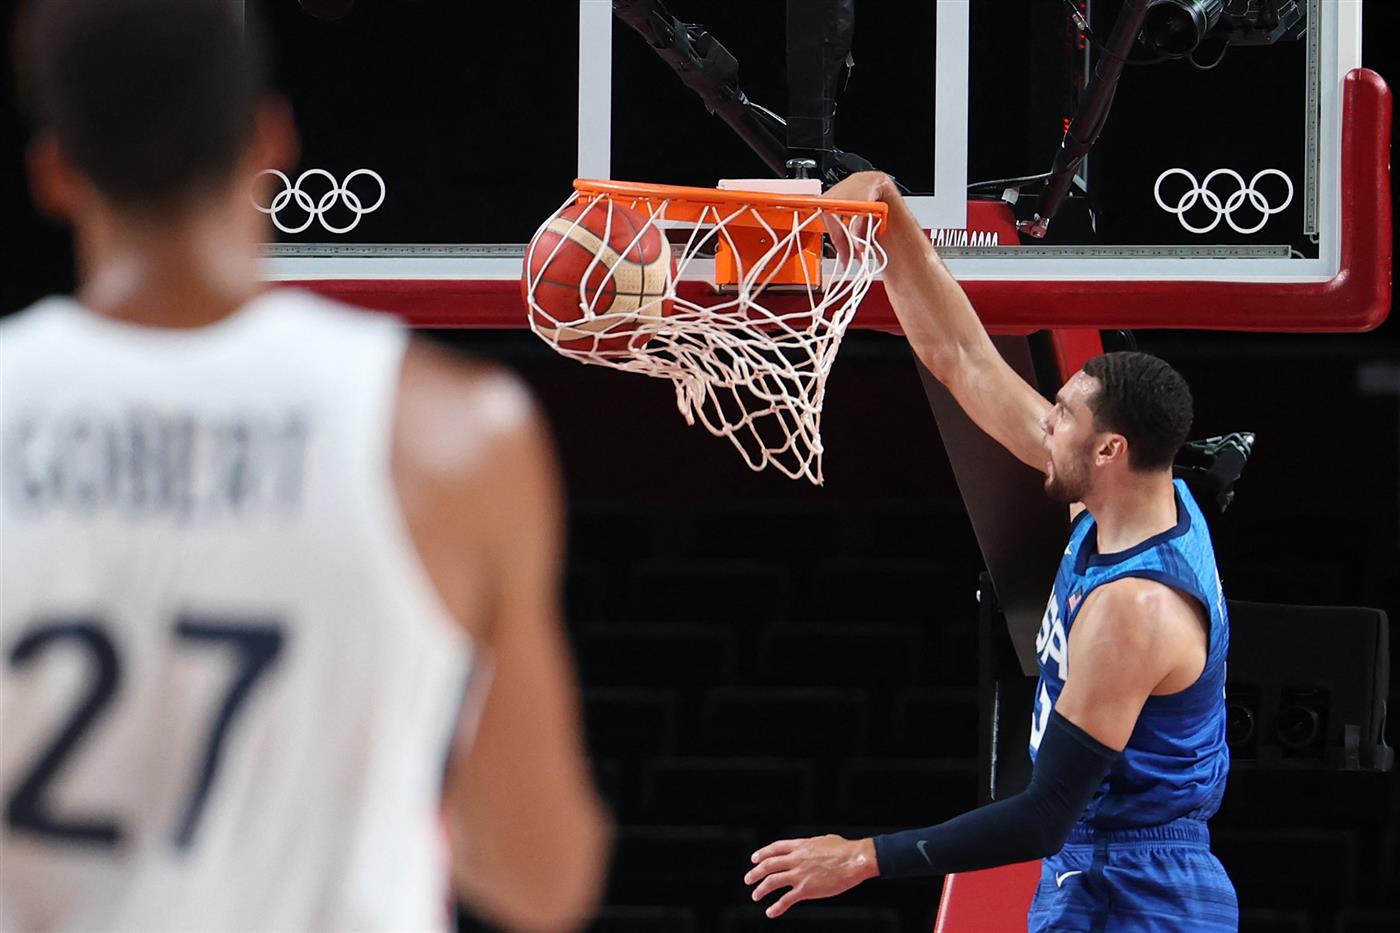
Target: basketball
599 272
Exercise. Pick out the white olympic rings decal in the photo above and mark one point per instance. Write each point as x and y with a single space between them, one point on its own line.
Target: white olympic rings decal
1224 210
316 209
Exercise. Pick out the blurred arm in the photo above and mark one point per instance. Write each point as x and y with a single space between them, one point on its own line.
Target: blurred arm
531 838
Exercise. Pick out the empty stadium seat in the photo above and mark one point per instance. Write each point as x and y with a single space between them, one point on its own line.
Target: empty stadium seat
680 866
657 654
1283 580
710 590
906 792
764 530
726 791
847 653
1305 869
605 529
608 774
645 920
938 721
591 591
1335 800
916 529
1275 921
1367 920
793 721
890 591
629 721
956 662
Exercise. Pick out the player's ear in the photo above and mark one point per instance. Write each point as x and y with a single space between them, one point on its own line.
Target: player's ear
1113 448
274 142
54 183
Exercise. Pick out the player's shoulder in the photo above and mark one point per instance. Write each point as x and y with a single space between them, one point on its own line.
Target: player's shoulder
459 416
300 313
473 467
480 392
1135 613
36 344
39 316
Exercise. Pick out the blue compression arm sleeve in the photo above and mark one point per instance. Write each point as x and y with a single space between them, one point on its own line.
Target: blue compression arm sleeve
1069 767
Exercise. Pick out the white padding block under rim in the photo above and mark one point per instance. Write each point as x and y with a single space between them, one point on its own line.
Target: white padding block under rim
772 185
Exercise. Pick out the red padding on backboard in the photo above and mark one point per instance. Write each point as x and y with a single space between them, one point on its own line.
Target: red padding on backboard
993 901
1074 348
1356 299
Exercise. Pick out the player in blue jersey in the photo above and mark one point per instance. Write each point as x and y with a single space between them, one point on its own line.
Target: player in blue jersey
1128 731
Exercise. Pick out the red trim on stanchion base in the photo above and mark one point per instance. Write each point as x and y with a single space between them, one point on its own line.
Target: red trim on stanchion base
1356 299
993 901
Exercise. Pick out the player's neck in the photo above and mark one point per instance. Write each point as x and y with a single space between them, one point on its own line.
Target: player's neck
180 271
1135 509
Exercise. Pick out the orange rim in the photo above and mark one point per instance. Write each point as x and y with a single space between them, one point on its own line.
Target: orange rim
681 195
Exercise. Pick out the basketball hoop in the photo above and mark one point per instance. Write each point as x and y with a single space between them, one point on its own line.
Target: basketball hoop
749 354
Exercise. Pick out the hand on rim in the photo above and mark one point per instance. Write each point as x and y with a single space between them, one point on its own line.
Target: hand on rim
861 186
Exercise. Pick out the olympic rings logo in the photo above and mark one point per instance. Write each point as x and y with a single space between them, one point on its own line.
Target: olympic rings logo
1224 210
315 209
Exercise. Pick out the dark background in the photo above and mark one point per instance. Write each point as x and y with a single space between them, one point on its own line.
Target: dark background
764 658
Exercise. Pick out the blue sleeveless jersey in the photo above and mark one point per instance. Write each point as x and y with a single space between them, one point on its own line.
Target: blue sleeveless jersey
1176 761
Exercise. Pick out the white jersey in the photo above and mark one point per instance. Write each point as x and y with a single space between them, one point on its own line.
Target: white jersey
227 684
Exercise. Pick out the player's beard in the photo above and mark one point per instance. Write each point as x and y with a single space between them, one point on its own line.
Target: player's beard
1070 482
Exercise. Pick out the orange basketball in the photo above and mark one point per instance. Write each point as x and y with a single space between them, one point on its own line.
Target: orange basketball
598 273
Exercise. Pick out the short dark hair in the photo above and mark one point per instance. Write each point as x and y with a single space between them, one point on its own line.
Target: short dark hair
1146 401
152 100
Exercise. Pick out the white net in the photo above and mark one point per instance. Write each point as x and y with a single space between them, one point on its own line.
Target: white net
619 280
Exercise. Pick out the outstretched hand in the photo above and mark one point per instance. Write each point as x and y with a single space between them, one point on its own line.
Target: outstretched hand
822 866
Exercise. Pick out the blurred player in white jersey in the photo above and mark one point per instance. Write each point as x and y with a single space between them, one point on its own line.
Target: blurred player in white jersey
255 548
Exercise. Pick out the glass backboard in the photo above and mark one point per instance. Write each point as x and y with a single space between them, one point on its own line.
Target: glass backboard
439 134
